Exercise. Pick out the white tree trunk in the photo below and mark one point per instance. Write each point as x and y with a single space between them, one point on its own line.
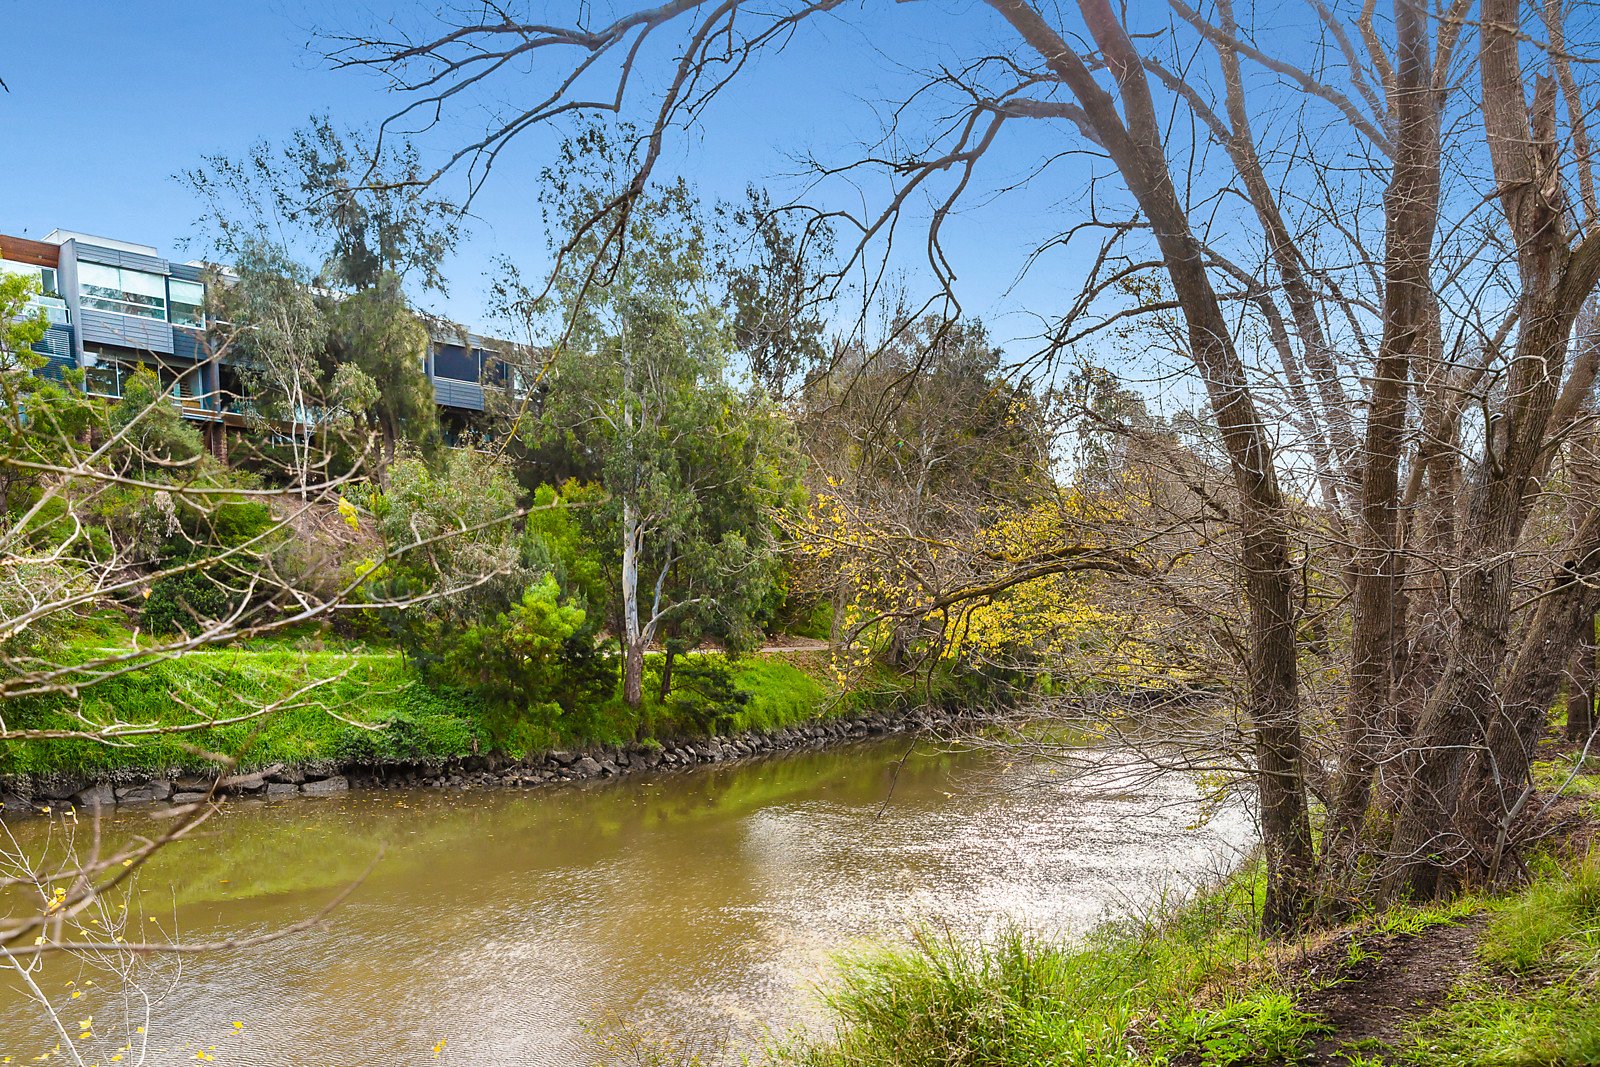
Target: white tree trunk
633 638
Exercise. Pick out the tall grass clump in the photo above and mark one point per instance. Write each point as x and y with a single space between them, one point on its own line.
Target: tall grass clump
1145 991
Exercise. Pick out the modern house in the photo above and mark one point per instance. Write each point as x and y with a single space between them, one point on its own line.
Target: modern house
115 306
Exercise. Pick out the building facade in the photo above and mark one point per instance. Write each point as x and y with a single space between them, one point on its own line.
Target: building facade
116 307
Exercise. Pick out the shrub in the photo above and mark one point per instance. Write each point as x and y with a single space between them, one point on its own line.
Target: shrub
186 602
704 697
463 510
536 665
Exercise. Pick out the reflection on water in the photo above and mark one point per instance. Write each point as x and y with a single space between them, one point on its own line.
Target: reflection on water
498 922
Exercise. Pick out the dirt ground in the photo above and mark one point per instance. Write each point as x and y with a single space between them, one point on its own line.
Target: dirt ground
1402 977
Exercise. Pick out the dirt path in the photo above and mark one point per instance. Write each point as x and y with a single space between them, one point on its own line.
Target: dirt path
1404 976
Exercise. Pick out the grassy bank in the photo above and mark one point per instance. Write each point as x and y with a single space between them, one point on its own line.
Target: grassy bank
354 706
1195 983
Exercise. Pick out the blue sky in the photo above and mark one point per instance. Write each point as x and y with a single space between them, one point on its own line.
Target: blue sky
119 97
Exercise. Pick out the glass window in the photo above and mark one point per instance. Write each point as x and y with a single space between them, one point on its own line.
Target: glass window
456 363
232 388
126 292
45 275
187 301
104 376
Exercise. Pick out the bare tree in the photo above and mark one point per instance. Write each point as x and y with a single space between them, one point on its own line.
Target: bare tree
1387 325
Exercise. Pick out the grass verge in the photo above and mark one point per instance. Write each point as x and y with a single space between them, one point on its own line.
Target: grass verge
354 706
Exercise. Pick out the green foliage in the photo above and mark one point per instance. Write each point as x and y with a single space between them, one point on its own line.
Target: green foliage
151 431
815 622
235 522
344 366
704 697
419 720
780 694
377 348
452 529
186 602
945 1002
363 213
1415 918
1487 1025
1539 1003
1554 924
1569 773
536 665
774 292
39 417
282 331
20 327
640 402
555 538
1261 1027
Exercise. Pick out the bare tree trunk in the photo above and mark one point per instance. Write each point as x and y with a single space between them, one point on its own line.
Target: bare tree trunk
1411 213
1555 281
1458 713
1135 145
669 653
1502 776
391 439
1583 681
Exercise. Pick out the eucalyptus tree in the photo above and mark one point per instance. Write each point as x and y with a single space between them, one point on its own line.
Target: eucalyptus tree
359 212
638 400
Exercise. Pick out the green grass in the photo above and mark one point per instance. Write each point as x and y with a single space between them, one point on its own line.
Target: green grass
363 708
1487 1025
1553 774
1537 999
1182 984
1196 984
1552 925
366 707
1416 918
781 693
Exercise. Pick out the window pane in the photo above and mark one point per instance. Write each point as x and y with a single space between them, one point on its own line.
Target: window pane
188 302
127 292
101 277
102 378
137 281
453 361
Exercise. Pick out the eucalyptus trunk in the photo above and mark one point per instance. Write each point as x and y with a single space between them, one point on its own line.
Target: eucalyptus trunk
633 636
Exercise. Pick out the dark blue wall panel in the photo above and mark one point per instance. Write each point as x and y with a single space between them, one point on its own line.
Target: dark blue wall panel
187 344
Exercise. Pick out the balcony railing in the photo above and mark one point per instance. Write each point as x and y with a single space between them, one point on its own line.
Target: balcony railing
55 309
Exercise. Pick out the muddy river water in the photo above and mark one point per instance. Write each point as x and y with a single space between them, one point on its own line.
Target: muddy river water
495 925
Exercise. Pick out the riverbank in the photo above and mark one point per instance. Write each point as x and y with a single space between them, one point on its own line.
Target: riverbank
336 720
1505 978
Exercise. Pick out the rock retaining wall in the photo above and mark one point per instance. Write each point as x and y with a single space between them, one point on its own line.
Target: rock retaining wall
468 772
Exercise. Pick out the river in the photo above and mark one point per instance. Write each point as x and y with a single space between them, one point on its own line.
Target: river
496 923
